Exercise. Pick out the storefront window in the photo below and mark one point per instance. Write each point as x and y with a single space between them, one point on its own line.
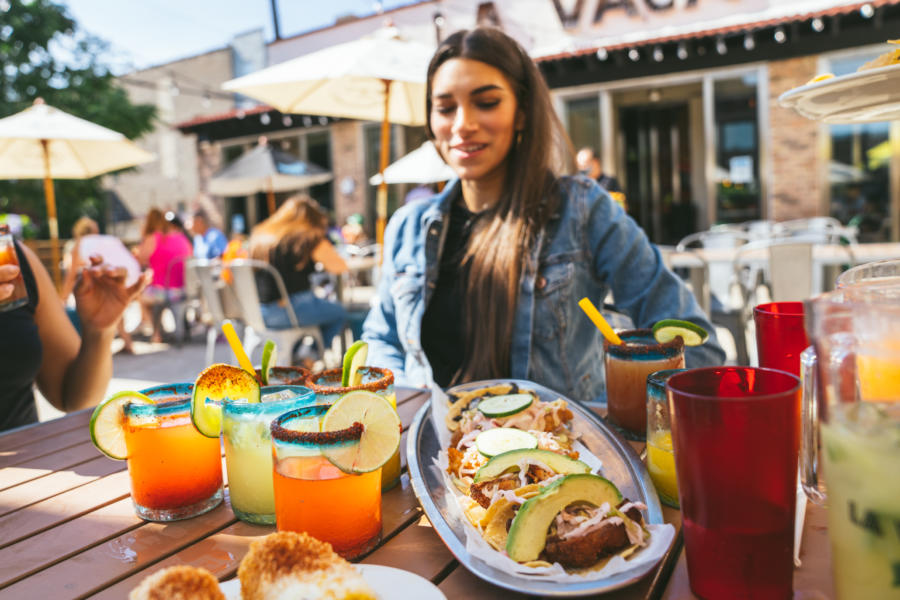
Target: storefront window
583 122
318 152
737 150
859 170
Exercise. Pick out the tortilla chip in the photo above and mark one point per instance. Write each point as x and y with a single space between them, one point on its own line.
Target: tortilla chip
464 399
495 522
473 511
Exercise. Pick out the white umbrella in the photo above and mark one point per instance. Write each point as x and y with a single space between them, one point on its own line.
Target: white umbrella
265 169
377 78
43 142
422 165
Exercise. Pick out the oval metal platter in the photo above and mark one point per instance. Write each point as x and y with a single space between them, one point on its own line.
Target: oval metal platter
621 465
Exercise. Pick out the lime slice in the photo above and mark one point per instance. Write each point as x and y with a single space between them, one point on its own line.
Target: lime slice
503 439
108 423
354 358
215 385
668 329
504 406
380 436
269 356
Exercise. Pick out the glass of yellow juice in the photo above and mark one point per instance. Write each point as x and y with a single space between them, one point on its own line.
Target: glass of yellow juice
660 457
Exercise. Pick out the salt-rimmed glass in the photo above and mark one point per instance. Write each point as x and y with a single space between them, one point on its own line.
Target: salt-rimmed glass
248 450
175 471
627 368
328 388
313 495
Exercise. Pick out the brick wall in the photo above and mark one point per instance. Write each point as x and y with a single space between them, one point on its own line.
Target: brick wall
348 162
796 184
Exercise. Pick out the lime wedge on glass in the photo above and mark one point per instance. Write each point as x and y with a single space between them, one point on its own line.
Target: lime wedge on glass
354 358
215 385
503 439
269 356
668 329
380 436
108 423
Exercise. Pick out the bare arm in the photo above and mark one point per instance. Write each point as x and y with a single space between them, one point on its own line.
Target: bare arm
75 263
75 371
327 254
145 249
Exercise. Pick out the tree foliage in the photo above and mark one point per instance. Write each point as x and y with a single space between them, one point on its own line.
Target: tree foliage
45 54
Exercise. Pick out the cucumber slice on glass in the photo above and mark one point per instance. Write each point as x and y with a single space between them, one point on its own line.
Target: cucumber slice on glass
504 406
503 439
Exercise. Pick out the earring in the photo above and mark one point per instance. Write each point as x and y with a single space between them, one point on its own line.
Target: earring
519 137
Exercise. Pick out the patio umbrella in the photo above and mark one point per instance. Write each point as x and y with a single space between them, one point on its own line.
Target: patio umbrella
43 142
422 165
265 169
376 78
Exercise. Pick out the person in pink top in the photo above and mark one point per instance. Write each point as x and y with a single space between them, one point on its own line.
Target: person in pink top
164 248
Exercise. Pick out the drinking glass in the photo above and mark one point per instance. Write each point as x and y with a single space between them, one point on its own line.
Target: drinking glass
328 388
176 472
286 375
660 458
780 335
248 450
736 434
857 338
8 256
627 368
313 495
880 272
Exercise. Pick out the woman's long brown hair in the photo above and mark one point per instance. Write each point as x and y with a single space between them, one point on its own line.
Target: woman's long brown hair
300 223
500 242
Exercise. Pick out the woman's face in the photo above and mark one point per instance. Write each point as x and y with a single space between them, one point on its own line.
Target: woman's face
474 118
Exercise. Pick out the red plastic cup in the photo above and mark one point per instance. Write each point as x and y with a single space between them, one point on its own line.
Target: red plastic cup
736 436
780 335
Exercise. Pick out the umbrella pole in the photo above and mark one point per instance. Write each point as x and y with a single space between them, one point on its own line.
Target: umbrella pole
381 198
270 199
50 198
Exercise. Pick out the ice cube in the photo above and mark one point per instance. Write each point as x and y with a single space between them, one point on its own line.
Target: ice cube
279 395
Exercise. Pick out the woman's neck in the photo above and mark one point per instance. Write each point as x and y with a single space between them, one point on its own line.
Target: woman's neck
482 194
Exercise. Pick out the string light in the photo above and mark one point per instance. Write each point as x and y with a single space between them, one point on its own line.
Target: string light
682 51
721 47
818 25
658 54
240 114
602 54
749 42
634 55
780 35
307 121
287 121
867 11
265 119
323 120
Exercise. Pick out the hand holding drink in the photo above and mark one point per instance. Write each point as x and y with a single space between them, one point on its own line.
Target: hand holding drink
12 286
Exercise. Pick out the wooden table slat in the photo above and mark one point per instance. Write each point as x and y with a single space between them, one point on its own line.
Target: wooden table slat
70 458
39 431
23 456
416 549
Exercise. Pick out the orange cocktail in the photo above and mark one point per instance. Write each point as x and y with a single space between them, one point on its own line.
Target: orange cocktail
313 495
175 471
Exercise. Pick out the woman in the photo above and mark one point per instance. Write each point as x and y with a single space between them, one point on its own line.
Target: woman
294 240
483 280
87 241
39 344
164 248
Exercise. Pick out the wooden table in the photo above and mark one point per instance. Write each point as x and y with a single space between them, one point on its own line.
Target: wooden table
68 529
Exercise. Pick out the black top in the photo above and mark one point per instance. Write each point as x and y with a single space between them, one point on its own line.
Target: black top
285 260
20 356
609 183
443 336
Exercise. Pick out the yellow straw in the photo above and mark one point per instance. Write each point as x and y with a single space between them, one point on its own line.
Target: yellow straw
237 347
591 311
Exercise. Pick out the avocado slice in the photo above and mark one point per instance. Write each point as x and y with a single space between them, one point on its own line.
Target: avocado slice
508 460
528 532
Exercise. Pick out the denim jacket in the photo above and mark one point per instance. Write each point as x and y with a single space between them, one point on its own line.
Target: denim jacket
589 248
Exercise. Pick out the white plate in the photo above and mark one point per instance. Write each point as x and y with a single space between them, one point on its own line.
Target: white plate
863 97
389 584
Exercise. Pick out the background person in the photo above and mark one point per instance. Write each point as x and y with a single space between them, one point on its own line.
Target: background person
40 346
209 242
164 248
293 240
87 242
483 281
589 164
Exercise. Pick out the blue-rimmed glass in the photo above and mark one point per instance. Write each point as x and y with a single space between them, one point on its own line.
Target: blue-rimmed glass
248 450
313 495
627 368
175 472
660 457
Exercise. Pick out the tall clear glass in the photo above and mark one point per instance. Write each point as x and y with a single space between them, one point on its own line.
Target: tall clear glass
313 495
328 388
881 272
627 368
660 456
175 471
248 450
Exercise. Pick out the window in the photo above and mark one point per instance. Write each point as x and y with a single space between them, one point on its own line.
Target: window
738 195
583 123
